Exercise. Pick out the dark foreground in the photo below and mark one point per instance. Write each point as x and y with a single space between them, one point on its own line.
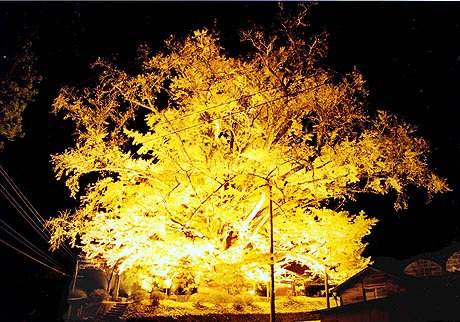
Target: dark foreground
279 317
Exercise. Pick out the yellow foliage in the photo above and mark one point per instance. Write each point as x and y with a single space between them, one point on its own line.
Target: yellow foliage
186 188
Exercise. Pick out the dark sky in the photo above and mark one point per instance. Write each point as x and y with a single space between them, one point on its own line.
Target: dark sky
409 53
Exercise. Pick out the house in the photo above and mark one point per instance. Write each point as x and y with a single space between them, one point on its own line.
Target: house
371 283
425 287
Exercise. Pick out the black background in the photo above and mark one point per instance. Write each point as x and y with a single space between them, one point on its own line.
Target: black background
409 53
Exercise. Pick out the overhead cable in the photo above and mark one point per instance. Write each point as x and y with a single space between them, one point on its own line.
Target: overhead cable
33 258
24 241
41 222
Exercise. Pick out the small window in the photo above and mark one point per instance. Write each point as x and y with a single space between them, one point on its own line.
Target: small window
453 263
375 293
380 292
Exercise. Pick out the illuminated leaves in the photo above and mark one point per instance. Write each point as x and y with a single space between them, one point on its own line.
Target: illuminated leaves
328 240
173 166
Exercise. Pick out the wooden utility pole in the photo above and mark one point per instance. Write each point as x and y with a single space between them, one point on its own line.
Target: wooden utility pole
326 287
74 282
272 262
75 277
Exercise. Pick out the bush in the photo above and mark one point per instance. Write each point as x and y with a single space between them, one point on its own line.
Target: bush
78 293
237 306
159 294
198 306
242 301
155 298
215 297
245 298
289 302
140 295
99 295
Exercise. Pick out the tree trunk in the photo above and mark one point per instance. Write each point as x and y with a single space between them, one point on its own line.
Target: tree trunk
116 289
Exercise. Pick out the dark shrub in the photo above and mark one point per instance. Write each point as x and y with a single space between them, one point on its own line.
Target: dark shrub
242 301
78 293
139 295
155 298
99 295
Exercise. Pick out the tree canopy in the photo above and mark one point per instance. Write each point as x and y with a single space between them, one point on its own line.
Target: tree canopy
175 166
18 87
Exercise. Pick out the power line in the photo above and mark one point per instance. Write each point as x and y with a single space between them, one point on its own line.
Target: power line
16 235
22 212
36 226
21 195
31 208
33 258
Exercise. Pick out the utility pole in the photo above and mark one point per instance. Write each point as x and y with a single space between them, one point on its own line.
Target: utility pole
326 287
272 262
74 282
75 277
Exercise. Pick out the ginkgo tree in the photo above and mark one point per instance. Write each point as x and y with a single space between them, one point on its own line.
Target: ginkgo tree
175 166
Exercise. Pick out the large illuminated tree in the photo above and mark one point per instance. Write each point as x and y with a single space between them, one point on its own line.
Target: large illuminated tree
175 166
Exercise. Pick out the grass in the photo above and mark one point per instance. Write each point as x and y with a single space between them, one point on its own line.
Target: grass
245 305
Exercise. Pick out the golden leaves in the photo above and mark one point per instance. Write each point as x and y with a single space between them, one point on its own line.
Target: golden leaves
215 133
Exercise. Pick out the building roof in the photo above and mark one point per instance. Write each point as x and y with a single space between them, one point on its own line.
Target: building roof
366 271
395 268
439 256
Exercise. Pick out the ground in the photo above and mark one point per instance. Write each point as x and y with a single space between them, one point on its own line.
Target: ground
240 305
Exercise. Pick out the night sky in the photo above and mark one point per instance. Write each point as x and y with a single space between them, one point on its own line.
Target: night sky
408 52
